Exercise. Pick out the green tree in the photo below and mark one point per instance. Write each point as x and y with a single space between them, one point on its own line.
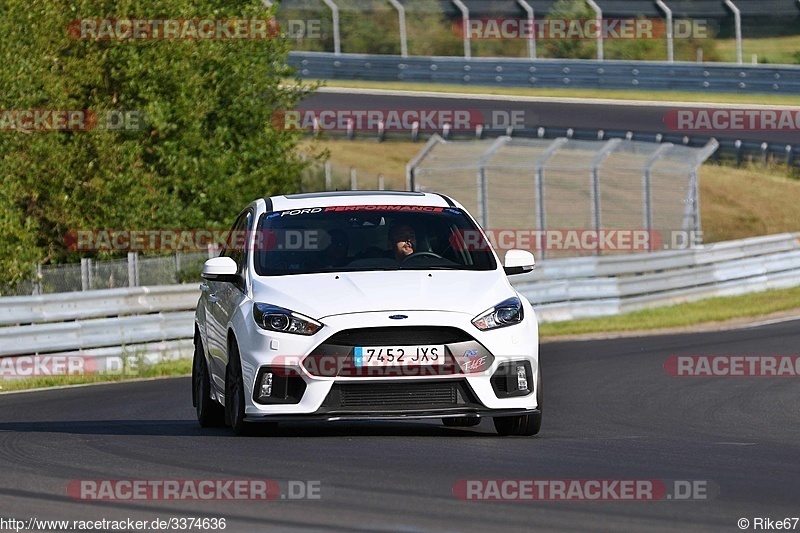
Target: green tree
204 147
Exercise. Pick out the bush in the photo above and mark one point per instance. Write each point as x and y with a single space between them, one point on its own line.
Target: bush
204 148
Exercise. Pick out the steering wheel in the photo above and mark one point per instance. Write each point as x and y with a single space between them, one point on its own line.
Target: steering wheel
422 254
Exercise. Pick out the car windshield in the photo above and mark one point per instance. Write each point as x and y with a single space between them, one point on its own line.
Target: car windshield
369 237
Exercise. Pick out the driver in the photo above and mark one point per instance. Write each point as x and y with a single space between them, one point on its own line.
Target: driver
402 241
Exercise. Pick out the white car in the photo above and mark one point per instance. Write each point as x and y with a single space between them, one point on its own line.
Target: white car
364 306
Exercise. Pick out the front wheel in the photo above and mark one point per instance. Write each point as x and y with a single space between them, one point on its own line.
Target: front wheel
209 412
235 400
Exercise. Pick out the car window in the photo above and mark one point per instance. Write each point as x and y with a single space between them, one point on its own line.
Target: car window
236 245
354 238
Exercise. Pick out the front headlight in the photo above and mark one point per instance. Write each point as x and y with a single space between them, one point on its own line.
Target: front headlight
506 313
274 318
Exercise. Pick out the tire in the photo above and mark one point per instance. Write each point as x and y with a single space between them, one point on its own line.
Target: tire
522 425
209 412
461 422
235 400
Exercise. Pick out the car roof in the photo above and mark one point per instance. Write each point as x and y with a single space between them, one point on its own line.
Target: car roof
335 198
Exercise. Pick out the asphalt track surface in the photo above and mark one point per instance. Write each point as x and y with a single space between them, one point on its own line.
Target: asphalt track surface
611 412
606 115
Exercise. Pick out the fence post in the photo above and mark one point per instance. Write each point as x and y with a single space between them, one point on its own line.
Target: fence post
85 286
483 184
532 38
411 166
465 27
353 179
599 14
647 191
381 183
539 184
337 44
327 175
737 21
608 147
38 278
133 269
670 42
401 14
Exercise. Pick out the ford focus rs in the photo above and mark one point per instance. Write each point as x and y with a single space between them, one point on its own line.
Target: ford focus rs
364 306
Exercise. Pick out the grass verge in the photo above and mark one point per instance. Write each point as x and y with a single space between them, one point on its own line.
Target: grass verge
637 95
784 50
706 311
178 367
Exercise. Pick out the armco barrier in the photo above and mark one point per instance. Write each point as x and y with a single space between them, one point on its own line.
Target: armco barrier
157 322
563 289
550 73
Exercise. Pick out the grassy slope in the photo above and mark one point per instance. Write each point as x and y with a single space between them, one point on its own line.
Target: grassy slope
776 50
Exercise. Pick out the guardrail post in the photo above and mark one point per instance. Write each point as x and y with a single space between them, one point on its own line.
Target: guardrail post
337 44
465 22
532 38
789 153
670 42
401 15
353 179
737 20
599 13
381 183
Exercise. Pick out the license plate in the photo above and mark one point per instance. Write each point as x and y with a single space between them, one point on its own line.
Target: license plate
398 355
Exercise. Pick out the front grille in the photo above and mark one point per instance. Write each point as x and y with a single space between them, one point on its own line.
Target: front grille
377 396
399 336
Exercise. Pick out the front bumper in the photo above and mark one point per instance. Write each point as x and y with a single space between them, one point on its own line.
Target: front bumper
479 397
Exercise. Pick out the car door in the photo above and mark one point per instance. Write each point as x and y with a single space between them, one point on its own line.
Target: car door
225 297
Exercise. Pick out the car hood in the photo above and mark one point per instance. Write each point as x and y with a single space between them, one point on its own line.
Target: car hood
322 295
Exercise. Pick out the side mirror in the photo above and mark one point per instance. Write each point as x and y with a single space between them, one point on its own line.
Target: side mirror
221 269
518 262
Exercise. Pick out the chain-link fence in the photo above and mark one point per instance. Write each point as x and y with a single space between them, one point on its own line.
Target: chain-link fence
547 193
134 271
333 176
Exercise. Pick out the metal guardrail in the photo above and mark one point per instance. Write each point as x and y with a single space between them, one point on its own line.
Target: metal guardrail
157 322
552 73
564 289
